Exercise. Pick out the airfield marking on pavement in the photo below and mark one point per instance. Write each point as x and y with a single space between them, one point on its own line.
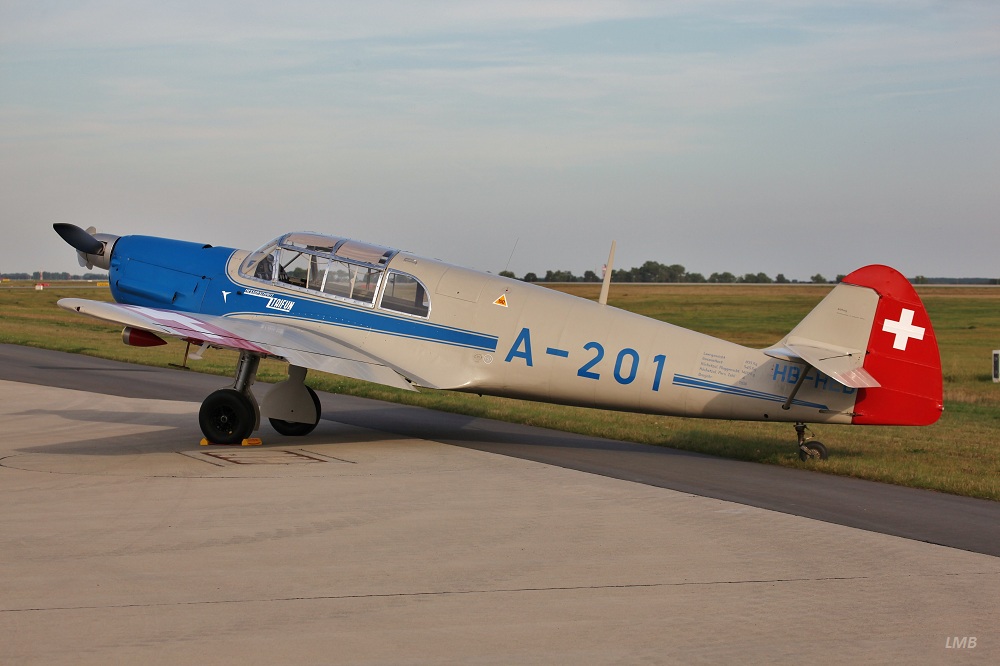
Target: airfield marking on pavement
265 457
226 458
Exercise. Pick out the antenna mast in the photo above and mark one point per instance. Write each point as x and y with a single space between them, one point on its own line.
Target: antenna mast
603 300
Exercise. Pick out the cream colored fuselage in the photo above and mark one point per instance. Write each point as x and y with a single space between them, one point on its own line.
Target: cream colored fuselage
540 344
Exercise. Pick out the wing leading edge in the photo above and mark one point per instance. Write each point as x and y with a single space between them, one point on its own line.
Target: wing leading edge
298 346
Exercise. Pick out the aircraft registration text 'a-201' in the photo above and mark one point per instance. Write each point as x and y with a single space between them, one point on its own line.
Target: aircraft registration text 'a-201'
866 355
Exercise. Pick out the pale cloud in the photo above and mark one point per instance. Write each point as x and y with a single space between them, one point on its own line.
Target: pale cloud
552 120
125 22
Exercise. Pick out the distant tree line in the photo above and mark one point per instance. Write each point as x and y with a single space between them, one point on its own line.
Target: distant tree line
651 271
920 279
53 276
654 271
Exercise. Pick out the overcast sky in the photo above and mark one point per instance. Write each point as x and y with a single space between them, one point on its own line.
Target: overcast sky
782 136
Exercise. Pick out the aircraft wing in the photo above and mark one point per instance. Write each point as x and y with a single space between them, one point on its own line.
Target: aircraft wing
298 346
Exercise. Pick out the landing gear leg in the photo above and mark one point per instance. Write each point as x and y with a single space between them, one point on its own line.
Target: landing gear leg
230 415
809 448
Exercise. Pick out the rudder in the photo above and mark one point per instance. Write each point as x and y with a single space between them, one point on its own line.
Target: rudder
902 354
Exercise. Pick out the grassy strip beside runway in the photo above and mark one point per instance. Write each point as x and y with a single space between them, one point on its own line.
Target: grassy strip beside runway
958 455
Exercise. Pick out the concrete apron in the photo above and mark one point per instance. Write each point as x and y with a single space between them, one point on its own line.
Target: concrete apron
122 539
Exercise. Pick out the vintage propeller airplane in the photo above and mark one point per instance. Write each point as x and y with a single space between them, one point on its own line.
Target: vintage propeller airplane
866 355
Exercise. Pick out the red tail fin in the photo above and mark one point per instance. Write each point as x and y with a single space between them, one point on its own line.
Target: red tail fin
902 355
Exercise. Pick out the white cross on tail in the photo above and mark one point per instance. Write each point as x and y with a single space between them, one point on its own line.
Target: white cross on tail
903 329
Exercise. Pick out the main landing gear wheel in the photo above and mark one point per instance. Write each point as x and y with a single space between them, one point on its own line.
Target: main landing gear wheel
809 448
812 451
227 417
292 429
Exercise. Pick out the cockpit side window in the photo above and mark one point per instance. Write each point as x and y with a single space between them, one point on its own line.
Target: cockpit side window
405 293
301 269
260 264
347 280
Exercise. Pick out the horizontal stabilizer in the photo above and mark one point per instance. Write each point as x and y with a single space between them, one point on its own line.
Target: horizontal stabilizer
839 363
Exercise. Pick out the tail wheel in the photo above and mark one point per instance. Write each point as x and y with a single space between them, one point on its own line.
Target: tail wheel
812 450
292 429
227 417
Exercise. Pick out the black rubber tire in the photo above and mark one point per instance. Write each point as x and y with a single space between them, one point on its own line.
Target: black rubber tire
227 417
292 429
815 451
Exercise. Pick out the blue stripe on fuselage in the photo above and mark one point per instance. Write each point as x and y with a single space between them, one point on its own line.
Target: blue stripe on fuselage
347 317
718 387
359 318
308 307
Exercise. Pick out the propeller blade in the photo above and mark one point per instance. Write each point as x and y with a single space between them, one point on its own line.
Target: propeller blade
78 238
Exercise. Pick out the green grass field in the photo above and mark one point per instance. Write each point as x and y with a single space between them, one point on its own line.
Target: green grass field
959 454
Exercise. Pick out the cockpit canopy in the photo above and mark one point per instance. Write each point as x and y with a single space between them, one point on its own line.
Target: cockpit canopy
343 248
340 268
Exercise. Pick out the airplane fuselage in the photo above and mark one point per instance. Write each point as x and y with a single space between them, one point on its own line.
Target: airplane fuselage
480 333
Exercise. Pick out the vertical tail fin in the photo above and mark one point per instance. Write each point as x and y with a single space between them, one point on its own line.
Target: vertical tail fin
902 354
